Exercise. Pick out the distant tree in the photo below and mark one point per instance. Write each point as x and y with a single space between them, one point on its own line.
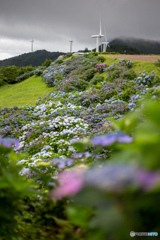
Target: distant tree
9 73
47 63
86 50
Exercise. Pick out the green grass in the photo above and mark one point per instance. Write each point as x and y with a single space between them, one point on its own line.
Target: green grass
139 66
26 92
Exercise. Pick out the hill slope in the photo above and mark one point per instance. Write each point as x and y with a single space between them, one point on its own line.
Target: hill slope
33 58
26 92
145 46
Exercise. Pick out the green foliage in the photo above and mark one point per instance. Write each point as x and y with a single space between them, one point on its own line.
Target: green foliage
58 61
13 190
47 63
38 72
110 53
13 74
96 79
2 82
68 55
101 59
75 84
94 53
120 200
9 74
130 74
157 64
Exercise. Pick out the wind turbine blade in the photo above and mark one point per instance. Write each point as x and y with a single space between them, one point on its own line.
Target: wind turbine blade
94 36
105 34
100 32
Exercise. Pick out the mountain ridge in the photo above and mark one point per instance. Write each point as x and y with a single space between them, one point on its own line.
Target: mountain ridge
33 58
143 45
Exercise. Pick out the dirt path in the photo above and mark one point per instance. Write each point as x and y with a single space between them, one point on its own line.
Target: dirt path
136 57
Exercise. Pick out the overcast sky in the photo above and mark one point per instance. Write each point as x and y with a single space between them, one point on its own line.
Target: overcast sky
53 23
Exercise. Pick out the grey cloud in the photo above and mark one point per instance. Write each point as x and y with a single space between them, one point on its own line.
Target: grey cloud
61 20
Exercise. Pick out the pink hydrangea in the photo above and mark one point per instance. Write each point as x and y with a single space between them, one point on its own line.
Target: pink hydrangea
70 183
100 67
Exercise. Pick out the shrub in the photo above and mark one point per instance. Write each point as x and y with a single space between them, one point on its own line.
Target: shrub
13 74
94 54
124 62
89 74
58 61
100 67
2 81
38 72
129 74
73 84
24 76
96 79
145 79
13 189
47 63
101 59
157 64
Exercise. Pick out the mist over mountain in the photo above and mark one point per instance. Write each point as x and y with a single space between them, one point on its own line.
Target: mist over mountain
33 58
145 46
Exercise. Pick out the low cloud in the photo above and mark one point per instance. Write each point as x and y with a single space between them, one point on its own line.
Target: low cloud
52 23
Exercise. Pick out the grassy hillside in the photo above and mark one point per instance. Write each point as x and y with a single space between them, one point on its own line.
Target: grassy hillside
26 92
139 66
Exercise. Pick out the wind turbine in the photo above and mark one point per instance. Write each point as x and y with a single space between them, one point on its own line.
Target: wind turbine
105 44
100 35
32 45
71 46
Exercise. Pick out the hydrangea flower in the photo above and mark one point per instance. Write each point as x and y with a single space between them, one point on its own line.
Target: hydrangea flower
109 139
62 162
147 180
117 177
100 67
70 182
9 142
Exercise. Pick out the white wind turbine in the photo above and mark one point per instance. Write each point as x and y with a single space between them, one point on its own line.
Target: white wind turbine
105 43
32 45
71 42
100 35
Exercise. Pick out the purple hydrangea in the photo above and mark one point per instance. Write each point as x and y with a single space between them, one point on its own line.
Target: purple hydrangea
109 139
118 177
147 180
9 142
100 67
62 163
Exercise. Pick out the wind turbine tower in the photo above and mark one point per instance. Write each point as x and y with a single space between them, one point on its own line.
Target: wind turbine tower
71 46
105 43
32 45
100 35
